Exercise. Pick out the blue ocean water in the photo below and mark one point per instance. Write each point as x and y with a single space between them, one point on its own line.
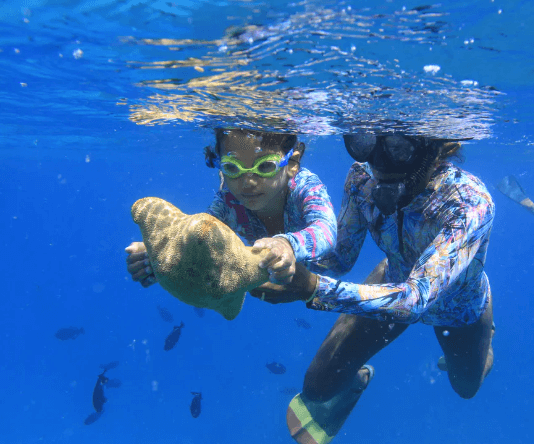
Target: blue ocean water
105 102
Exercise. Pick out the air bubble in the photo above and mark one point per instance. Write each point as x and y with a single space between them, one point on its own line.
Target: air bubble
431 69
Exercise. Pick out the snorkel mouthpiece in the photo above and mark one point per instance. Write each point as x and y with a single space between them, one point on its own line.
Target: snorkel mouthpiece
388 195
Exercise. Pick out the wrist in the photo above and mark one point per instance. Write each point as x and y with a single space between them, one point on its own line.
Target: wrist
312 288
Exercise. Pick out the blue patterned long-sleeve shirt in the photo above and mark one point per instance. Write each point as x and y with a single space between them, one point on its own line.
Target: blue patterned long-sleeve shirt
310 223
435 256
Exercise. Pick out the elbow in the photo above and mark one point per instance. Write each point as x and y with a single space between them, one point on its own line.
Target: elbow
418 309
412 310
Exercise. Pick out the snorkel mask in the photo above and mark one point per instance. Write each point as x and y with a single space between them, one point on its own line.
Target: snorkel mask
412 156
387 153
266 166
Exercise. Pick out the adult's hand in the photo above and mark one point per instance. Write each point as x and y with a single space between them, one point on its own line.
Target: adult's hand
299 289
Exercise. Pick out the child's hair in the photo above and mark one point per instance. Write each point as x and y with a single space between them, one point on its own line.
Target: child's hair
283 141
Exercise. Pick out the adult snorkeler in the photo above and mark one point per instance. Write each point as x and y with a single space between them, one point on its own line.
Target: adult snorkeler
433 221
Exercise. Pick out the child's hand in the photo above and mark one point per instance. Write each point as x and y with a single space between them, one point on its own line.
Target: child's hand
139 265
280 261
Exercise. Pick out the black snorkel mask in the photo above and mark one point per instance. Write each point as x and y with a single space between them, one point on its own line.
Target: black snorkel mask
412 156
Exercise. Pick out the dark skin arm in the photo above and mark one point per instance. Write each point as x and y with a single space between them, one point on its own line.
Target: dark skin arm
299 289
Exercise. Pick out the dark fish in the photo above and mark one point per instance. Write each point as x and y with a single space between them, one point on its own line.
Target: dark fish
98 392
111 365
195 407
69 333
165 314
276 368
303 323
92 418
114 383
172 339
200 311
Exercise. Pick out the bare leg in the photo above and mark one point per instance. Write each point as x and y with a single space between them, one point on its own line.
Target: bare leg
468 353
351 342
336 379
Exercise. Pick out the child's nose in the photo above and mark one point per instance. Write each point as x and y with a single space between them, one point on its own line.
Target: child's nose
249 180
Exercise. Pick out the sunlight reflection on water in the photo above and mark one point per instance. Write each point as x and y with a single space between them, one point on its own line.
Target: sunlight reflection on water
317 71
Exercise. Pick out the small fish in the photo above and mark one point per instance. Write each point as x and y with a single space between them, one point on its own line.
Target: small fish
172 339
303 323
111 365
165 314
200 311
92 418
98 392
69 333
195 407
276 368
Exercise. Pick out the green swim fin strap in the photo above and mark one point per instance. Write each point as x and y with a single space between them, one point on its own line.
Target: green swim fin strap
302 426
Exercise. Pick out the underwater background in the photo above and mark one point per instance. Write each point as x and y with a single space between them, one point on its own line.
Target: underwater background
104 102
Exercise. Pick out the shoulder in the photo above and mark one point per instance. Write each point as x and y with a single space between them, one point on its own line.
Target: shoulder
305 174
304 179
451 183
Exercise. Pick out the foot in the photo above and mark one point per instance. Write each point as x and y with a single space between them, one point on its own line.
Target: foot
363 378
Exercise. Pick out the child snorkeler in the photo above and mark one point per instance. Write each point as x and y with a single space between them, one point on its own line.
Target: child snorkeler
267 199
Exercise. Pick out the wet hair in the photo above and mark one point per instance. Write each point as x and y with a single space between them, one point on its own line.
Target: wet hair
450 149
436 152
283 141
443 149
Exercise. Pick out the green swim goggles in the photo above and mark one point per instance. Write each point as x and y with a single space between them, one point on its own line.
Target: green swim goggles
266 166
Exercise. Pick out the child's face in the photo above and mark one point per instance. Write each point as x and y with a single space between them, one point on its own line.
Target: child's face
264 195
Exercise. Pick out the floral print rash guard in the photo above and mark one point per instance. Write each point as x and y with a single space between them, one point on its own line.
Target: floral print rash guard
309 220
435 248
